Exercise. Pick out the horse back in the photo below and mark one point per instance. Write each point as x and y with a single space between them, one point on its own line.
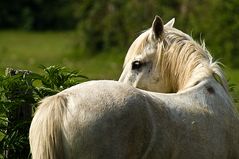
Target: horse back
106 119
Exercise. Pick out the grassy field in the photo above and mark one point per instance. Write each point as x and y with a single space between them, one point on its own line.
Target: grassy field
23 50
28 50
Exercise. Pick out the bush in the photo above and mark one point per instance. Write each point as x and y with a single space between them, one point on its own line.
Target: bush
20 91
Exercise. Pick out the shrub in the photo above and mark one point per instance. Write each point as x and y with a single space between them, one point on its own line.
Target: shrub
20 91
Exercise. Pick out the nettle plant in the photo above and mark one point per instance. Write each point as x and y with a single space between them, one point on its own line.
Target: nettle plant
20 91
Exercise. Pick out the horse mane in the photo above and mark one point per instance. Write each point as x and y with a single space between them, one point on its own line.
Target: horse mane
178 53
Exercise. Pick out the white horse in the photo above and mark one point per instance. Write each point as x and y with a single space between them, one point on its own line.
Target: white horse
164 59
112 120
109 119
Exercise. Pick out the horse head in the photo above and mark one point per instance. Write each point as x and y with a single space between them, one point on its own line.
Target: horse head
164 59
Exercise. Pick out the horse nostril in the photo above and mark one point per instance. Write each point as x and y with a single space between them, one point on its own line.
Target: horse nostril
136 65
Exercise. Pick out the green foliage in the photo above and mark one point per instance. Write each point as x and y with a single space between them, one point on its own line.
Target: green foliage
108 24
16 91
232 91
55 79
37 14
20 92
113 24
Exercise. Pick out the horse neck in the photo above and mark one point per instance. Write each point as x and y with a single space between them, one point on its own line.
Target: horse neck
185 66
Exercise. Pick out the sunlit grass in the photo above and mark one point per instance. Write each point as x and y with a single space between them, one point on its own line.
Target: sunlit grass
28 50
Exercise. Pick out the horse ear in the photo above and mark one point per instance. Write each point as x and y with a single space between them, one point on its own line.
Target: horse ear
170 23
157 27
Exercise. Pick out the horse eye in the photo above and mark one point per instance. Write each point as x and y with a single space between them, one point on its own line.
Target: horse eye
136 65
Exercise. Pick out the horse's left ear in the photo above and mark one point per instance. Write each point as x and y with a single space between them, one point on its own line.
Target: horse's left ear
157 27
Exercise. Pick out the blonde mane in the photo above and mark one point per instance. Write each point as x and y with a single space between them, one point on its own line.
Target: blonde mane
179 58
